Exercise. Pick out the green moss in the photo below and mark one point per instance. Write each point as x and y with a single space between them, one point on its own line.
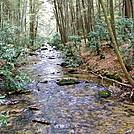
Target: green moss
67 82
104 93
114 76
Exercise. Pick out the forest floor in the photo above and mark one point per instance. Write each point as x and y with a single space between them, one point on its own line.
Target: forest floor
109 63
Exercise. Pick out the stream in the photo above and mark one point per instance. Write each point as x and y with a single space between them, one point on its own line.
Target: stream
69 109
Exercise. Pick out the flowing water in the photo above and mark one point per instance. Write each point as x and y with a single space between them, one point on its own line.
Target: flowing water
73 109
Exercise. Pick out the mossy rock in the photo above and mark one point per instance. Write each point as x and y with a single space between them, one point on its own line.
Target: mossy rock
51 57
64 64
114 76
44 48
104 93
43 81
69 81
32 53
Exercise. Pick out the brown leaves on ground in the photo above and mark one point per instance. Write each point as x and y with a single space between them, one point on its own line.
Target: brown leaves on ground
109 63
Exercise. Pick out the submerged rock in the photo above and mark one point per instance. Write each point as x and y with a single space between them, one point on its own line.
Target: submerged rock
105 93
44 48
74 71
63 64
41 120
32 53
33 107
51 58
43 81
68 81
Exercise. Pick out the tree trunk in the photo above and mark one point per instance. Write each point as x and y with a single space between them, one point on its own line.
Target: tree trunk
128 5
58 20
31 22
112 20
77 18
131 81
72 20
23 23
86 26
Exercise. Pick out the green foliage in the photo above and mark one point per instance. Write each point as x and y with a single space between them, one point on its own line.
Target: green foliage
38 42
3 117
127 52
56 41
74 61
11 50
10 34
99 34
125 28
124 31
75 43
14 80
75 38
125 35
10 42
71 51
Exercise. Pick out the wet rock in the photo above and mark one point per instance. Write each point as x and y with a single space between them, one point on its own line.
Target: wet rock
74 71
44 48
105 93
32 53
41 121
43 81
16 92
24 131
33 107
68 81
131 131
63 64
13 102
15 111
51 57
9 102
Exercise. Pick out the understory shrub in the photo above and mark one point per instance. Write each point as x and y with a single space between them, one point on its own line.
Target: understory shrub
125 36
11 50
3 117
71 51
56 41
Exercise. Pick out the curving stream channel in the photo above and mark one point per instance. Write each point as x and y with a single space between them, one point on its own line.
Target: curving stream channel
73 109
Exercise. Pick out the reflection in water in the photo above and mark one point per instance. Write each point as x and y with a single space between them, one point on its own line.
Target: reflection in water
73 109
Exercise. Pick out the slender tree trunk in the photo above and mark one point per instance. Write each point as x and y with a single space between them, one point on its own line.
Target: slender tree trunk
128 5
72 20
89 16
112 20
36 29
58 20
116 46
77 18
60 7
67 18
23 23
81 20
18 18
31 22
1 13
86 26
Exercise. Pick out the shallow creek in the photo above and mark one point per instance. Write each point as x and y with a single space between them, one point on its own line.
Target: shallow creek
73 109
